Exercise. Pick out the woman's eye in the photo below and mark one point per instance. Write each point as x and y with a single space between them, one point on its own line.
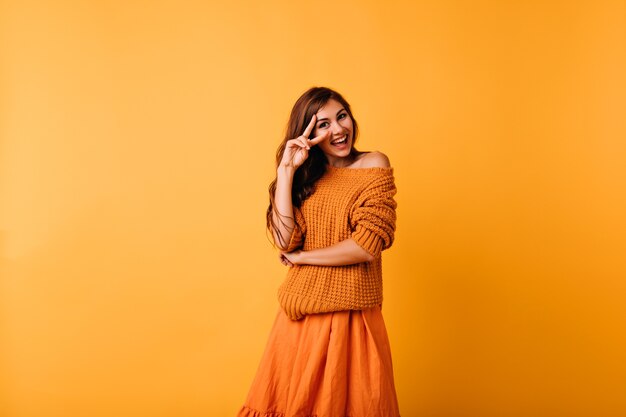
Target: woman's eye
341 116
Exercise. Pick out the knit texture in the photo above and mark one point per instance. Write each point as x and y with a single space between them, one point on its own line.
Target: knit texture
355 203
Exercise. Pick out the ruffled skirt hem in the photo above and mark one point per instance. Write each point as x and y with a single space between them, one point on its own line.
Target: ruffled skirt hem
249 412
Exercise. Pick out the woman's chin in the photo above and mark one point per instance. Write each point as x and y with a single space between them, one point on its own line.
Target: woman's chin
338 153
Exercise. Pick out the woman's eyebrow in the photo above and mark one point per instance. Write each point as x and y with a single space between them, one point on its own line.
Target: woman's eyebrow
326 118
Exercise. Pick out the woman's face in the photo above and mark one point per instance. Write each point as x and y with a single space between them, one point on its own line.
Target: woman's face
334 117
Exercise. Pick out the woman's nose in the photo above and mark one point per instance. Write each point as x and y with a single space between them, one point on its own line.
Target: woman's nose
337 129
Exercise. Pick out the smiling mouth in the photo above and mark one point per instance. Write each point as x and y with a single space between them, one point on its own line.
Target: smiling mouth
340 141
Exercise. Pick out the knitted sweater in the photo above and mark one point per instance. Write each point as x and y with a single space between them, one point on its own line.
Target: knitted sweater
355 203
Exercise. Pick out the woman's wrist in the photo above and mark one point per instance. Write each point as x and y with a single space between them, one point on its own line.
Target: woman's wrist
301 257
285 170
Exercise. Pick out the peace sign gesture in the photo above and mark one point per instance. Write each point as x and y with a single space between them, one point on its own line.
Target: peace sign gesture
297 150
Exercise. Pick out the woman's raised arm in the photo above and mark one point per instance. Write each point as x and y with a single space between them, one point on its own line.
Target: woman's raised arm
295 153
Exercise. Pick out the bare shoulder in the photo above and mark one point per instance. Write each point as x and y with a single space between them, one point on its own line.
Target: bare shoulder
376 159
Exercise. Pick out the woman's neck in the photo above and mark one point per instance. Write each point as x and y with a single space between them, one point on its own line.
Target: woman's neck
348 161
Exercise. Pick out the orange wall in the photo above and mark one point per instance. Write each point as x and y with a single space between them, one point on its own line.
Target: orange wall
137 144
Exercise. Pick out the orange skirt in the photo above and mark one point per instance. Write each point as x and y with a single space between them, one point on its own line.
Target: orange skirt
334 364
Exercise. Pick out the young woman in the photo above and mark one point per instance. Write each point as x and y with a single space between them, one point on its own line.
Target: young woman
332 212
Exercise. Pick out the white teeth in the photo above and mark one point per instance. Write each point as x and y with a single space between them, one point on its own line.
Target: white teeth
345 138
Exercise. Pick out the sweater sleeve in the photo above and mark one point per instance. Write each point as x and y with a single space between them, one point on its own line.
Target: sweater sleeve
373 215
299 231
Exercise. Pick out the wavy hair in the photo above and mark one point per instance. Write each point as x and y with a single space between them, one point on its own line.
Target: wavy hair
314 166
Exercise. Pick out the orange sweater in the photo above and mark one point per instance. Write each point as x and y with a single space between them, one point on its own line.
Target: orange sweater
347 203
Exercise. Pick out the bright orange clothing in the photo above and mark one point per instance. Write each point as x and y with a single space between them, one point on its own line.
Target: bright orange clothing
328 353
355 203
326 365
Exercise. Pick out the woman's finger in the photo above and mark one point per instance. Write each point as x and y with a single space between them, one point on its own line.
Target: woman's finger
284 260
309 128
304 142
297 142
297 145
294 148
320 138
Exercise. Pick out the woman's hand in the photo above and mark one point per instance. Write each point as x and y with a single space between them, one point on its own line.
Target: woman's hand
290 258
297 150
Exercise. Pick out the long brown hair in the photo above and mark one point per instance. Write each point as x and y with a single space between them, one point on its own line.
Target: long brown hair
314 166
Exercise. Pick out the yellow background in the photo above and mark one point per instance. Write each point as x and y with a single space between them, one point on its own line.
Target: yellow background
138 142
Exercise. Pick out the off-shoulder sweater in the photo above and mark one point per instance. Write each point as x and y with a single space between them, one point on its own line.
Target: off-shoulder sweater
355 203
